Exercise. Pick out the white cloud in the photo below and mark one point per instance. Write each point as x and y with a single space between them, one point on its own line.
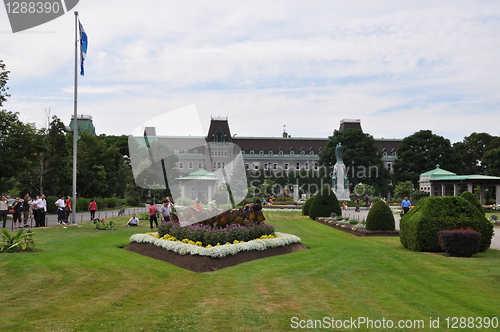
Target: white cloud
399 67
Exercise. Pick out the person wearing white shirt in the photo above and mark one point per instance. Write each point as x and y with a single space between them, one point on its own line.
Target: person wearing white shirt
61 214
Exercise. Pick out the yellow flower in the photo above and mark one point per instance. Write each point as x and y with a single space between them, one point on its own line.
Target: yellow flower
218 244
209 246
198 243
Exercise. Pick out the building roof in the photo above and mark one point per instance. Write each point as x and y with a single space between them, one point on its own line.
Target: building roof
201 174
437 172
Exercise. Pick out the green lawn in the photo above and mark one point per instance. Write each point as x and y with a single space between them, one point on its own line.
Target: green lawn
81 280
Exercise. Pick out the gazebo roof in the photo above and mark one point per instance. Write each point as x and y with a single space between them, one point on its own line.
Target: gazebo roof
438 172
201 174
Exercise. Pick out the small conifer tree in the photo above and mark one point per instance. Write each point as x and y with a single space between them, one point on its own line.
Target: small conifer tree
324 204
380 218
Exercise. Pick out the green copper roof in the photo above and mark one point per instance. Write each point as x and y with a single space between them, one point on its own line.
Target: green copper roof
438 172
201 174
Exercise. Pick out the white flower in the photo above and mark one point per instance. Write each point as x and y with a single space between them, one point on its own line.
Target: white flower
216 251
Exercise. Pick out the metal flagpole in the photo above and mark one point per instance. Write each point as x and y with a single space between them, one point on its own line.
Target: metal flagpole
75 122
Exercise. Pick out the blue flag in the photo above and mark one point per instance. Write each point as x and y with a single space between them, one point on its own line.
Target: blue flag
83 47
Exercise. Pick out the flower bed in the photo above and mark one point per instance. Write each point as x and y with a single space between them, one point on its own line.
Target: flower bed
358 229
218 251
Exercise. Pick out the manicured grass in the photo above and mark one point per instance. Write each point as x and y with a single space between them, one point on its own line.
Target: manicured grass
81 280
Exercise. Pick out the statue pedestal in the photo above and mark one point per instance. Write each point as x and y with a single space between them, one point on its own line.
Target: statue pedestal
340 186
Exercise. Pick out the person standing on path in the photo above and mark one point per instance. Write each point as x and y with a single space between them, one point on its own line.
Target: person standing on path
152 215
92 209
4 210
26 209
61 214
67 209
42 204
405 204
18 210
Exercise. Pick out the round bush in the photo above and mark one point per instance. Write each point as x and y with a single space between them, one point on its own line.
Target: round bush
472 198
307 206
419 228
380 218
324 204
460 242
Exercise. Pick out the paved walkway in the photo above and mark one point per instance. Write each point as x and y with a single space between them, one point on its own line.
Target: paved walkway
361 215
51 219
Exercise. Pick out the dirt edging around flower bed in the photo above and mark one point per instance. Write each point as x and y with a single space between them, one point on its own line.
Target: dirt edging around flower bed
357 232
198 263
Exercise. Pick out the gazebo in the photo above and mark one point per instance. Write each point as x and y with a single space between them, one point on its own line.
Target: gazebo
199 185
440 182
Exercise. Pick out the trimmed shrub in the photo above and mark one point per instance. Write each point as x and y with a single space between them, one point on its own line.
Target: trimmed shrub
472 198
419 227
380 218
307 206
460 242
324 204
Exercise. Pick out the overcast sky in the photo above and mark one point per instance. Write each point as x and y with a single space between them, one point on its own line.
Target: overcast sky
399 66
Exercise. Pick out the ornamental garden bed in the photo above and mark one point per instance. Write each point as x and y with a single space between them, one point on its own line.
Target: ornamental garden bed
227 239
197 263
357 230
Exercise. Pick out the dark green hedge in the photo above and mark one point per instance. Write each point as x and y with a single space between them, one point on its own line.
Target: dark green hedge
380 218
474 201
307 206
419 228
324 204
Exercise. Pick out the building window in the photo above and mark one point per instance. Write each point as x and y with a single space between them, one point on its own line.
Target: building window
287 166
275 166
302 153
311 152
219 136
219 165
265 166
292 153
270 152
176 151
256 167
247 166
190 165
280 152
316 166
298 166
181 165
200 165
261 152
195 151
186 151
307 165
251 152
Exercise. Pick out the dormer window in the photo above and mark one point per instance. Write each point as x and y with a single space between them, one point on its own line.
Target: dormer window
261 152
270 152
219 136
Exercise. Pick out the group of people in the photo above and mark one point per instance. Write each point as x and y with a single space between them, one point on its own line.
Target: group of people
164 211
23 209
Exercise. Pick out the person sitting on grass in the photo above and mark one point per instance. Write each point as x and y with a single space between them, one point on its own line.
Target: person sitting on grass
134 221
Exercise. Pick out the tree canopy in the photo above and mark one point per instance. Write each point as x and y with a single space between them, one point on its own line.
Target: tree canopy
421 152
472 150
360 156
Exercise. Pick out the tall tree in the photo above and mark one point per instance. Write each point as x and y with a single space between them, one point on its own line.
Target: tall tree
363 164
17 147
472 150
491 162
421 152
57 166
4 77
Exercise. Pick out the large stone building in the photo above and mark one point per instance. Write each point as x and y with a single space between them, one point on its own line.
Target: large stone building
218 149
